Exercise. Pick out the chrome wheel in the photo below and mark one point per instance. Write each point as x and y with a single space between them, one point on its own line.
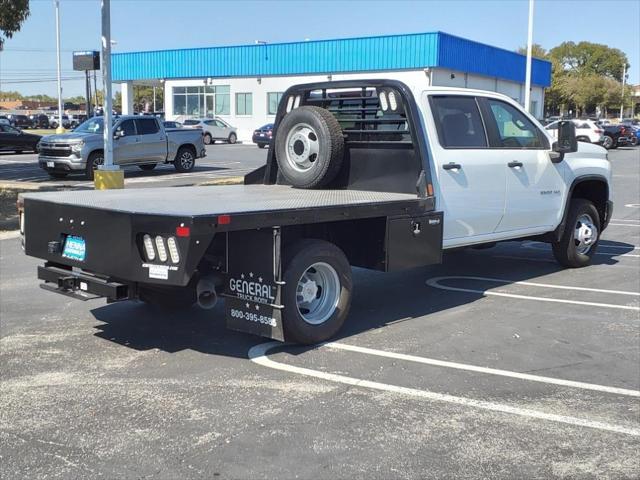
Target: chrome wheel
318 293
302 147
186 160
586 234
607 142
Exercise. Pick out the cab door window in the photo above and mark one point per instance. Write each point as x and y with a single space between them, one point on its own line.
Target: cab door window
458 121
511 128
128 127
147 126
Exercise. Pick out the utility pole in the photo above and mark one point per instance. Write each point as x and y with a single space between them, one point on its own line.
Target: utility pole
527 81
624 78
108 175
60 128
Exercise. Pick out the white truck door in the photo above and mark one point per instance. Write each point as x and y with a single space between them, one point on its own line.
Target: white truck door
535 185
470 176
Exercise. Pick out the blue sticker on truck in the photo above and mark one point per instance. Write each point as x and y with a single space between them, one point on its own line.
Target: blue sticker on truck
74 248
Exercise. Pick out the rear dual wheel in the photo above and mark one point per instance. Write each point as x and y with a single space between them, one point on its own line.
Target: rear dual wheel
317 291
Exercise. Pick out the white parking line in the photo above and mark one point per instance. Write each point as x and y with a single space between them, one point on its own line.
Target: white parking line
489 371
625 224
633 205
625 220
257 354
434 282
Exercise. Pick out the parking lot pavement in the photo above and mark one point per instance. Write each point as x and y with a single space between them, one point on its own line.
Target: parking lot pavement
496 364
222 160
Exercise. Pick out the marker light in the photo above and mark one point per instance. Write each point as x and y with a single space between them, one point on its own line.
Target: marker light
383 101
392 101
183 231
148 248
224 219
173 249
290 103
162 251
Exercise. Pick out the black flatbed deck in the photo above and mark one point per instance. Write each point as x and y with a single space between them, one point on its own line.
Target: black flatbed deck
250 206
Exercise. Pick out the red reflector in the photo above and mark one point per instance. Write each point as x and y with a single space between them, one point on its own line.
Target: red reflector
224 219
183 231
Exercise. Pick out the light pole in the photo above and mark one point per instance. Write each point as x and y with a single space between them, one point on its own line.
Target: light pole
527 81
60 128
108 175
624 78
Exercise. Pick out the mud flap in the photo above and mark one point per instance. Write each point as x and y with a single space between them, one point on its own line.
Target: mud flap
253 287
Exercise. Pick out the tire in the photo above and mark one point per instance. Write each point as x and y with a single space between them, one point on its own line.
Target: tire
262 145
95 159
583 139
58 174
207 139
634 141
168 298
317 313
233 138
147 166
185 160
309 147
583 221
607 142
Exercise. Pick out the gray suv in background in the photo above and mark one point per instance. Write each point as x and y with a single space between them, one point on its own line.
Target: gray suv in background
140 141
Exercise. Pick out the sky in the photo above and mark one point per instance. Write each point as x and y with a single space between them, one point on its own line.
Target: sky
28 63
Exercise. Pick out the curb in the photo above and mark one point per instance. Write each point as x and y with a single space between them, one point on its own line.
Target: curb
222 181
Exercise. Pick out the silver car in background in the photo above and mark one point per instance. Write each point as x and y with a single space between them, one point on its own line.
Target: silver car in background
213 129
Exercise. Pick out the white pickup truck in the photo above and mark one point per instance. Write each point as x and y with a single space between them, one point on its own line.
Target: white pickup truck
369 173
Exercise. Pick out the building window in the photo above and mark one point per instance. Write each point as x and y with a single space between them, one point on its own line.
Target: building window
204 101
223 100
273 99
244 104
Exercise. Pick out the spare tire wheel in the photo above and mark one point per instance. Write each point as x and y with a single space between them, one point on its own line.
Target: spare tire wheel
309 147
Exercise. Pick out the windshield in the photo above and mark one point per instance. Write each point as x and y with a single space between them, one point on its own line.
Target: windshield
93 125
191 122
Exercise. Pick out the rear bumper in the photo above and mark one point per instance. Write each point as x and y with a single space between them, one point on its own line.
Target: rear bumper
81 285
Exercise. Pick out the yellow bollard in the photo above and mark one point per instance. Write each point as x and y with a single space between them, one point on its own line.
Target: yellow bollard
61 130
108 179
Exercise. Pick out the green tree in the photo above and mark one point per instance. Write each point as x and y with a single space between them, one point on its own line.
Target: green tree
12 14
586 58
537 51
10 96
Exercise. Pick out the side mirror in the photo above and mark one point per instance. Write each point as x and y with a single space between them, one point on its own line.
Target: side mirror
567 142
118 134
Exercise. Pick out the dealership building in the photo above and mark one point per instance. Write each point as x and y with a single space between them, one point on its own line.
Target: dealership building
243 84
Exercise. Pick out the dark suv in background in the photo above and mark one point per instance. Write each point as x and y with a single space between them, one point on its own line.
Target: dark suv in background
20 121
39 120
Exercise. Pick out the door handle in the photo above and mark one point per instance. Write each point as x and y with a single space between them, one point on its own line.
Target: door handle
515 164
452 166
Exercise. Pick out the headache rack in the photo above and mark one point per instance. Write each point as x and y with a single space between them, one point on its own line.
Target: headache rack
384 139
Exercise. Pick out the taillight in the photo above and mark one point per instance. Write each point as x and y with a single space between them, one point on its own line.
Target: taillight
597 130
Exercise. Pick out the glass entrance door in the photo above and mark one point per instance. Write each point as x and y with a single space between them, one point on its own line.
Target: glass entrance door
209 105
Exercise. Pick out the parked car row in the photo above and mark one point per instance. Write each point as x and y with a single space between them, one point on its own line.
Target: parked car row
605 134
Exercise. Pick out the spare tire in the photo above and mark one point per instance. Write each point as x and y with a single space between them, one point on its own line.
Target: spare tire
309 147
